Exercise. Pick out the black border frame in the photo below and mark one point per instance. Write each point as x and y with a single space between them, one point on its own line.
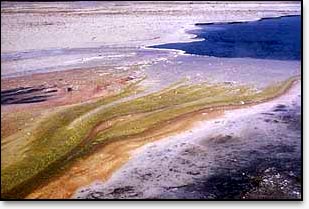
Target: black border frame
207 200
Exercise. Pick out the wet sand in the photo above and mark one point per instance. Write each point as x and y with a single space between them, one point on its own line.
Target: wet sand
28 97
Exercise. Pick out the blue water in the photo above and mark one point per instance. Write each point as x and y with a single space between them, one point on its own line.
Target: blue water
269 38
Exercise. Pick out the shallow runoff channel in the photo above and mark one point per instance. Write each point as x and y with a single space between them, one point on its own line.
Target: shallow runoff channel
248 153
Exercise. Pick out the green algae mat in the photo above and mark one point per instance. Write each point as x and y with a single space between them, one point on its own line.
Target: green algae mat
33 155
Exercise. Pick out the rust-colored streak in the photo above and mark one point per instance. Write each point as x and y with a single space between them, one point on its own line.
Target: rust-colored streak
110 156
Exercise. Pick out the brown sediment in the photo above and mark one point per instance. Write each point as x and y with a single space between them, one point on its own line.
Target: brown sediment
109 156
73 86
87 85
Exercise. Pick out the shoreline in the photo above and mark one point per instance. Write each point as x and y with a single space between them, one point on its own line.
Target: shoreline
197 26
185 22
194 38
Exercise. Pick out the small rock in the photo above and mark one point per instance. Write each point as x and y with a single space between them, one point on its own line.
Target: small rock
193 173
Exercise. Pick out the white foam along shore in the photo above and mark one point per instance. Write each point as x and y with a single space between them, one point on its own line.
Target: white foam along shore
146 24
185 32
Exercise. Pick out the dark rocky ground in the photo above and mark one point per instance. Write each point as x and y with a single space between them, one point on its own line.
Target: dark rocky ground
22 95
